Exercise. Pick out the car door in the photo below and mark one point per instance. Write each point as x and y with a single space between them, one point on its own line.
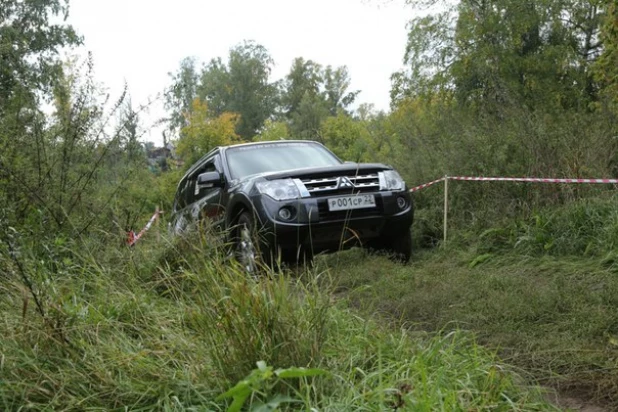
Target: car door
180 220
206 207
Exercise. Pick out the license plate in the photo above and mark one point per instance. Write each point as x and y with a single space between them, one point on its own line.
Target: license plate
351 202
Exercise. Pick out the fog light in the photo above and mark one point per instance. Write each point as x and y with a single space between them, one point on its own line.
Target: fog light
285 213
401 202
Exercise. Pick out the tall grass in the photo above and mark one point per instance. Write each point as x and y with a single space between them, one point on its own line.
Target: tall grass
172 326
541 290
585 227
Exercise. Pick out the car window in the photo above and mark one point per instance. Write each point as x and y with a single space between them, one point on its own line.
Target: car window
275 157
181 196
193 192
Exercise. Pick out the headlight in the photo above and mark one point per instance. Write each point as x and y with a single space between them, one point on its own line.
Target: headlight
282 189
390 180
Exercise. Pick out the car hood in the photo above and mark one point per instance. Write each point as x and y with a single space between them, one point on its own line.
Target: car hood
348 169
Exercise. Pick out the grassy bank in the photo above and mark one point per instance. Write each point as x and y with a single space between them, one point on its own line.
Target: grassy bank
174 327
542 291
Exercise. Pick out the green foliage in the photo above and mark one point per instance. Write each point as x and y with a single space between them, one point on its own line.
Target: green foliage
504 51
305 122
426 139
305 77
180 95
65 169
605 68
311 94
62 172
336 85
499 87
202 133
164 326
348 138
550 316
480 259
303 99
394 375
588 227
29 45
241 86
244 322
428 55
273 131
264 376
34 161
503 88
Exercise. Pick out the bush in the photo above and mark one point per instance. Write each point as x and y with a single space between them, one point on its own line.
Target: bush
587 227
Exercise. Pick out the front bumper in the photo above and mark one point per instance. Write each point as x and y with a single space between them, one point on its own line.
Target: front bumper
313 226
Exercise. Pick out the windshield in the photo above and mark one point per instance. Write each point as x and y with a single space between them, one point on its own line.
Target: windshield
276 157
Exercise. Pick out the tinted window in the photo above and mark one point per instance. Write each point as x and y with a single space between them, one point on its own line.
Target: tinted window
181 195
275 157
194 193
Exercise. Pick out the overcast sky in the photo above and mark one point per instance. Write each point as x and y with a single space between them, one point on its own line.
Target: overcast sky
141 41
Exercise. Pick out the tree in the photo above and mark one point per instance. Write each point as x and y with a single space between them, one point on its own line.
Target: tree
305 77
31 70
273 131
242 86
366 112
606 68
129 133
306 120
215 86
179 96
202 132
311 93
29 45
336 84
532 52
348 138
429 53
304 98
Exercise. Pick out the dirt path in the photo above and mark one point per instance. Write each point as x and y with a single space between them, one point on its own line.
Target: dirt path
573 403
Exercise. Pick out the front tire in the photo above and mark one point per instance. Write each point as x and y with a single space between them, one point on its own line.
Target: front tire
250 249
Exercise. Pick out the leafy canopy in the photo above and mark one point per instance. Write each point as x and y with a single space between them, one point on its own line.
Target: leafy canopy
202 132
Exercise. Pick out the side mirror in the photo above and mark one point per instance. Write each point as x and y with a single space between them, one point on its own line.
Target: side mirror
208 179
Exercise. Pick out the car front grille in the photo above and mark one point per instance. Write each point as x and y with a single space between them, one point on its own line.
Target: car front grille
342 184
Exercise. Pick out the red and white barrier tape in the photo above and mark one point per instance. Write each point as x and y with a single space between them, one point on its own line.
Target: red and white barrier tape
133 238
516 179
414 189
533 179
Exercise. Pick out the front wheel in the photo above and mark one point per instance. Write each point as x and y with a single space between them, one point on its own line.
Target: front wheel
251 250
245 241
398 246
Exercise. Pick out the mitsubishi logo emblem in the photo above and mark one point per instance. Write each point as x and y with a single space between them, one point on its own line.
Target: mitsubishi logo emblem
344 182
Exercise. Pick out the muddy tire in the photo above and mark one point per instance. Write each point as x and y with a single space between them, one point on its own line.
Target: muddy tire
250 251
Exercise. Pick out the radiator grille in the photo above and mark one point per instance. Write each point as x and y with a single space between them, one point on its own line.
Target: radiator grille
342 184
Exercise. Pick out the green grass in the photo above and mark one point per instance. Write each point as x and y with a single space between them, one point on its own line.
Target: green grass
173 327
552 316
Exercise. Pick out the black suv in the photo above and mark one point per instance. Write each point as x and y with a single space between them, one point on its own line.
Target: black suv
290 199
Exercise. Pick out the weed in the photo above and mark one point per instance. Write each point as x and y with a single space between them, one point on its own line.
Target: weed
175 325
